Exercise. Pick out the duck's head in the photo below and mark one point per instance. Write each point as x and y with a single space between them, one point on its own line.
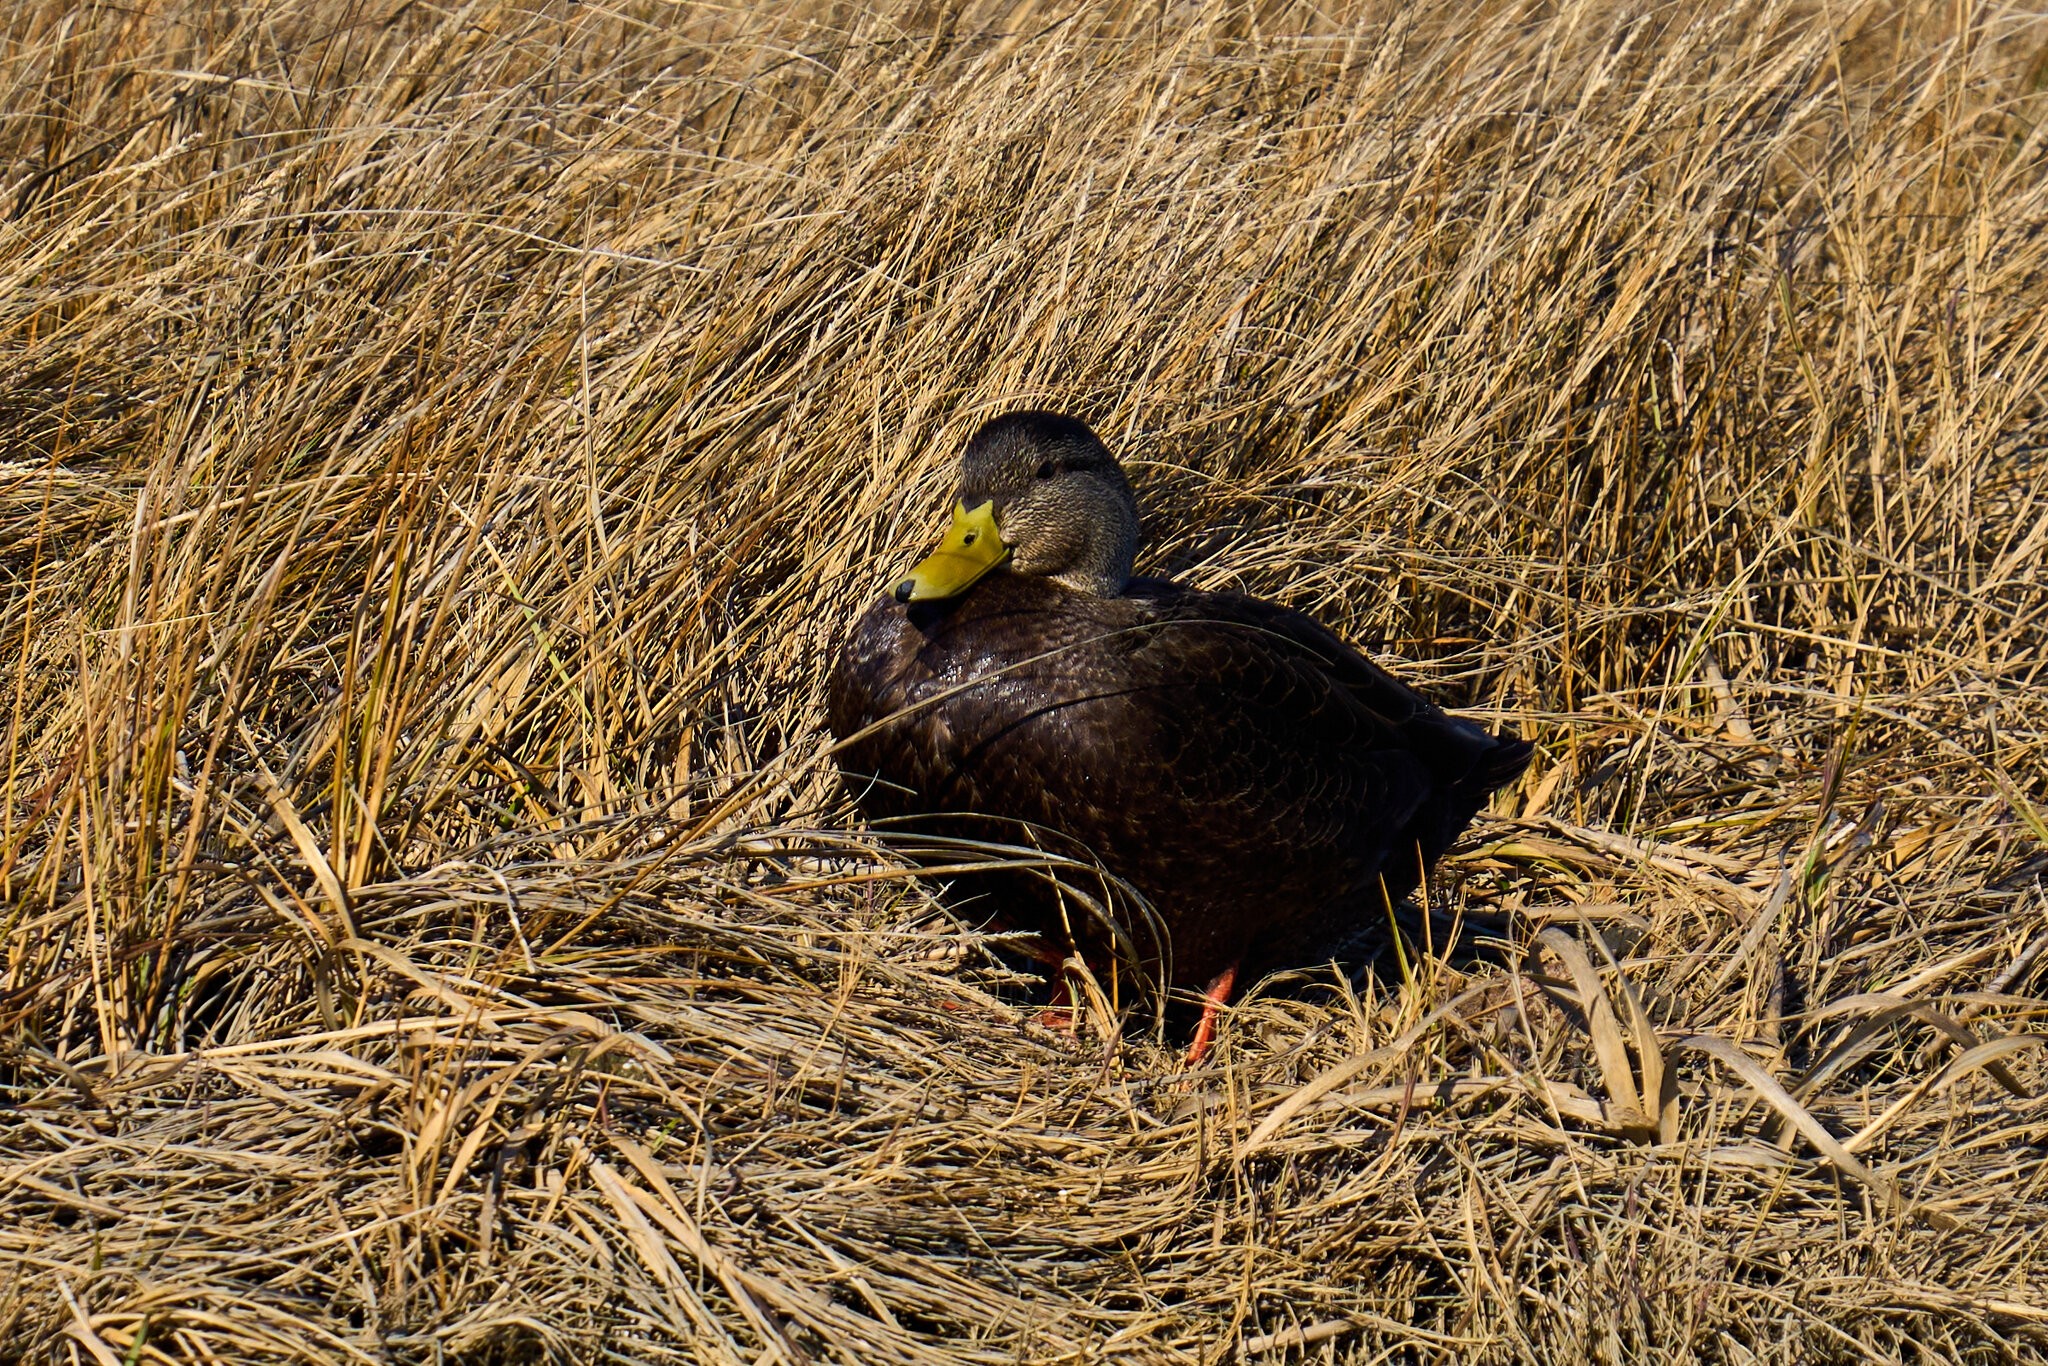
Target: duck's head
1041 495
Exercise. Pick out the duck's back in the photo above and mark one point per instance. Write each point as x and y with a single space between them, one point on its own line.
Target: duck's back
1253 776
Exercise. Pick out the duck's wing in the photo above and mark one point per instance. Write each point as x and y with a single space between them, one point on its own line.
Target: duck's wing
1429 772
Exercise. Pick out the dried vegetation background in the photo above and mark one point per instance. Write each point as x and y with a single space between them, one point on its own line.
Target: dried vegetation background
442 442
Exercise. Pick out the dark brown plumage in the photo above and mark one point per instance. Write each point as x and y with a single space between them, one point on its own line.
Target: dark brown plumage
1258 781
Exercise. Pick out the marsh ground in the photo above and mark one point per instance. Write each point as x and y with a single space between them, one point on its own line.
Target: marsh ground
439 444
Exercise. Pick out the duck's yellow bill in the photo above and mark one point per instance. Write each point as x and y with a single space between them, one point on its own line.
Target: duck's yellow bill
972 547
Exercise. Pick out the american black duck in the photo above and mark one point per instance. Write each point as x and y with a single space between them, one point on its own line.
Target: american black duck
1257 780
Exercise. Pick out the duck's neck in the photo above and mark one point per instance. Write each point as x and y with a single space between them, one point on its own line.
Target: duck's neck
1100 565
1080 531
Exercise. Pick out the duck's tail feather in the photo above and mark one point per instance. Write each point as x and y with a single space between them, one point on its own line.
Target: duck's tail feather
1501 765
1499 762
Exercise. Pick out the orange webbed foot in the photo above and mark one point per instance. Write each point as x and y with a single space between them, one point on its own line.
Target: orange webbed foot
1060 1013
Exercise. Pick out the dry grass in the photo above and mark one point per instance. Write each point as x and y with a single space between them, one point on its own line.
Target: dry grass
442 442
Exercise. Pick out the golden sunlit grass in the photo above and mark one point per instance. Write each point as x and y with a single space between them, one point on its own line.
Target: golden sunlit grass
440 444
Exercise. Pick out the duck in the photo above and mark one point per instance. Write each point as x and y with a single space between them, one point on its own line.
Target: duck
1206 786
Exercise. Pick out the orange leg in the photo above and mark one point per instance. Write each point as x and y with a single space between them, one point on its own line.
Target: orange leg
1059 1014
1213 997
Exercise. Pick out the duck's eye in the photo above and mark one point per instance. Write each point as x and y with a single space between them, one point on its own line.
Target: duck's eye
1045 470
968 539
